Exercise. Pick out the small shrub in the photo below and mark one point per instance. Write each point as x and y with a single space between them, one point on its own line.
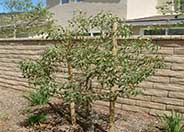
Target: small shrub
36 119
173 123
37 98
116 66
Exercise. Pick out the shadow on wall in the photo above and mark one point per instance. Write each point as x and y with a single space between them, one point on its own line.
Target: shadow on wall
102 1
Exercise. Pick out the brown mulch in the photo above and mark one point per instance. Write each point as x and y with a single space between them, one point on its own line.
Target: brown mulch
14 110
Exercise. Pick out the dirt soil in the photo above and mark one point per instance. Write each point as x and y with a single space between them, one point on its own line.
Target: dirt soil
12 117
11 105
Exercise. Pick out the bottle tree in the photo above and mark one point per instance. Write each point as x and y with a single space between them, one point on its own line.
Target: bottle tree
117 64
40 73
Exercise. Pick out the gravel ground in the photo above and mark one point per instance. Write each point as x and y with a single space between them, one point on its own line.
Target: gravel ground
133 121
12 106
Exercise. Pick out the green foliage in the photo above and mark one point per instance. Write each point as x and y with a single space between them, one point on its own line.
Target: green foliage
126 70
173 123
135 60
132 64
40 72
172 7
17 5
38 97
23 18
36 118
39 76
93 60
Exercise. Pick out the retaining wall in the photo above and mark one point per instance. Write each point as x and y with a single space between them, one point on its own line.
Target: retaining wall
162 92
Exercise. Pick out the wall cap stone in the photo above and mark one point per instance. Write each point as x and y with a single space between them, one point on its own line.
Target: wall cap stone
153 37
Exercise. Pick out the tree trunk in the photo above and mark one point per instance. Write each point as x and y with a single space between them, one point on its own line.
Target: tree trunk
90 117
14 26
73 115
111 116
113 89
72 104
14 31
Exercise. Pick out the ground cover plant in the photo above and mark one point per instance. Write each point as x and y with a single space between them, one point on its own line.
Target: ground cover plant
111 61
173 122
35 119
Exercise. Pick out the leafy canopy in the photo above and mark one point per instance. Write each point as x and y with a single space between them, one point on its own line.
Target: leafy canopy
93 58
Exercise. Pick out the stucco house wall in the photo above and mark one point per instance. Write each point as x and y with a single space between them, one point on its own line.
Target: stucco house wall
143 8
127 9
52 3
62 13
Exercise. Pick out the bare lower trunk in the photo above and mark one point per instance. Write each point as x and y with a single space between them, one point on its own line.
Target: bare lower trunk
72 104
111 116
90 116
73 115
14 32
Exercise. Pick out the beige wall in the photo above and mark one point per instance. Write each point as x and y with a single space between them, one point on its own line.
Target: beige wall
144 8
63 13
51 3
128 9
141 8
161 93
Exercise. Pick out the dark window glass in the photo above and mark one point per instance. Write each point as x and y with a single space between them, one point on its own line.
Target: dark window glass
64 1
154 32
96 34
176 32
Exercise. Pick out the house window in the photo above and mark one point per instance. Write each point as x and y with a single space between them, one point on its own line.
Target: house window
175 31
68 1
163 31
64 2
154 31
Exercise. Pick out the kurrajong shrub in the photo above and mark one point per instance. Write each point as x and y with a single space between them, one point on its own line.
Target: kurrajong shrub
114 62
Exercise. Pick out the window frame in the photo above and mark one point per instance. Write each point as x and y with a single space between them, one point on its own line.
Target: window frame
141 32
175 28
